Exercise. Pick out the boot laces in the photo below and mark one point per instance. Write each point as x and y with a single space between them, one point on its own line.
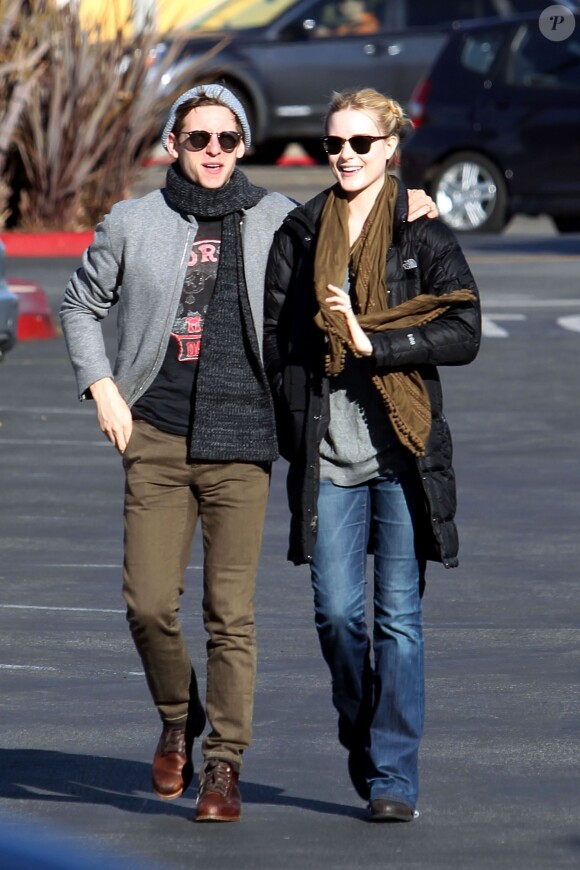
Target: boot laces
174 741
217 777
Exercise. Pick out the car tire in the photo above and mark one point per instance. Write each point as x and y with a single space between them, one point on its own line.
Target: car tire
244 98
567 223
266 152
470 193
314 149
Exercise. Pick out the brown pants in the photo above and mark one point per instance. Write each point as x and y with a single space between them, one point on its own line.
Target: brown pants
164 496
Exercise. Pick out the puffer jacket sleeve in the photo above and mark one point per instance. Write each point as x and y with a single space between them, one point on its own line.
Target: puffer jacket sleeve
278 278
454 337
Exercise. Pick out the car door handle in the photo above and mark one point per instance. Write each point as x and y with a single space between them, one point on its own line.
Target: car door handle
371 48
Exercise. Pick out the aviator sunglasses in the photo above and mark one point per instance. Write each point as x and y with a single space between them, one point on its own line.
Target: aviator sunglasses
359 144
199 139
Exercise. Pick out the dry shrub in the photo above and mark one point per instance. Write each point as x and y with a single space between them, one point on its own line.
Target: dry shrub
21 65
92 115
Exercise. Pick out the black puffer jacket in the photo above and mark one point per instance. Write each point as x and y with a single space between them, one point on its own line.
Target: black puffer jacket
424 258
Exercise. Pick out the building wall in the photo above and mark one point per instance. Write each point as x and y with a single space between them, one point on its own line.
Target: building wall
112 15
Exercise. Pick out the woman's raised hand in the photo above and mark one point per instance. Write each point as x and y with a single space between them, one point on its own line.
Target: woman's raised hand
340 301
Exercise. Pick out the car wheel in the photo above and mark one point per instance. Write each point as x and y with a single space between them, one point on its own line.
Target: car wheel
266 152
567 223
244 98
471 194
314 149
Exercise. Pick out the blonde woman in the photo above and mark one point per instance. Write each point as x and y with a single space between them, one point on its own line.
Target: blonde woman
361 307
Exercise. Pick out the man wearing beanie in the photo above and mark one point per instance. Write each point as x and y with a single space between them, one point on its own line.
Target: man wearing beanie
188 406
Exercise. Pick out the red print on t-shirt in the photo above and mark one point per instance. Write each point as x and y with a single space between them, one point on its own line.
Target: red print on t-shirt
188 336
197 289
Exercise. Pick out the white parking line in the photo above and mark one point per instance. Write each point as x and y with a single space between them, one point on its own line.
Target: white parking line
104 566
57 442
508 301
490 327
27 668
82 565
484 259
45 409
572 322
11 667
59 609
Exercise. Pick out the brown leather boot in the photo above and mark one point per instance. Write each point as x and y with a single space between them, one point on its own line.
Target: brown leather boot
172 765
218 798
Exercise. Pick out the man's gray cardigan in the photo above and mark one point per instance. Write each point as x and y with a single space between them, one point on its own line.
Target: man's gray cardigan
138 259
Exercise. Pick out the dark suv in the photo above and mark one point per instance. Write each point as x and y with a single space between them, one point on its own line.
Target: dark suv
498 127
285 71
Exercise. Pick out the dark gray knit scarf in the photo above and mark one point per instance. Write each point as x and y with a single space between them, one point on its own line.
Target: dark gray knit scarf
209 203
232 415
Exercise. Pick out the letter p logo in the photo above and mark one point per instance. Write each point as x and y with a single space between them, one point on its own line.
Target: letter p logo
557 23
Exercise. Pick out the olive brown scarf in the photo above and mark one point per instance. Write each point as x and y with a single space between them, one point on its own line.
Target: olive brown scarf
403 392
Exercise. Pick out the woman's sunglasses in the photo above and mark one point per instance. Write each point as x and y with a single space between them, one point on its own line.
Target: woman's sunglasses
199 139
359 144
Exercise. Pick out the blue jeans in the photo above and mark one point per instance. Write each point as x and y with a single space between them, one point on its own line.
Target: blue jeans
380 702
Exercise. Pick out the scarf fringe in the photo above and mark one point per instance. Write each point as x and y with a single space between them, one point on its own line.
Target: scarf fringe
413 438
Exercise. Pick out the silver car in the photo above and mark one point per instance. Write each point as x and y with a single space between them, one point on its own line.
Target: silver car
8 309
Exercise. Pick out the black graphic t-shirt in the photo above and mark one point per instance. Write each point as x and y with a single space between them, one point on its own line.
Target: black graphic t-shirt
166 404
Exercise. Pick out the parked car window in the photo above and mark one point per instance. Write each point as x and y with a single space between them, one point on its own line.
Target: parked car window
511 7
480 51
347 17
343 17
421 14
239 15
539 62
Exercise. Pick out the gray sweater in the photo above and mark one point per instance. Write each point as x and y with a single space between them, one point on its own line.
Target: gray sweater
138 259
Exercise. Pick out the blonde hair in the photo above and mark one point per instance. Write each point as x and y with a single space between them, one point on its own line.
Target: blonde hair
385 112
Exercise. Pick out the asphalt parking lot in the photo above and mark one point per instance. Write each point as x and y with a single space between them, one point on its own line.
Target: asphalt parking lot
500 759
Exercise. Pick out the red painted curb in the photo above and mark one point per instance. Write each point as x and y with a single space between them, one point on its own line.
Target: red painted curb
34 314
298 160
157 161
56 244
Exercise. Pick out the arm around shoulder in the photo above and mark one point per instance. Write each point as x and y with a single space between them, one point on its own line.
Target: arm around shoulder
278 280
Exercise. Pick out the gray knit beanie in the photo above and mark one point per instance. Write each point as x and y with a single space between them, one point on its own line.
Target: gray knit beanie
216 92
